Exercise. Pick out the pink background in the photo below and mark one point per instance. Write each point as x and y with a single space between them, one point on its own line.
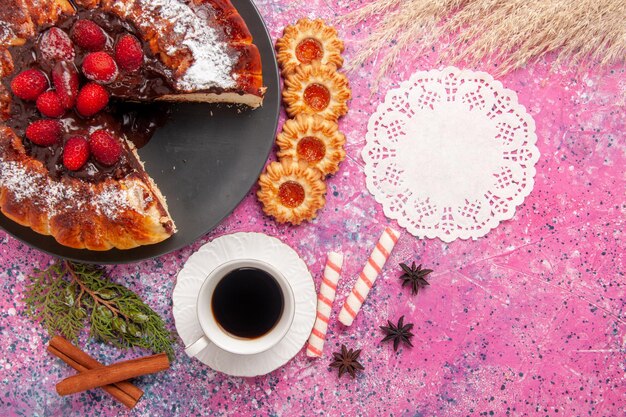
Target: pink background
529 320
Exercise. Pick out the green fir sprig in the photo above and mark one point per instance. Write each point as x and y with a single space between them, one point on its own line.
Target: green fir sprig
67 295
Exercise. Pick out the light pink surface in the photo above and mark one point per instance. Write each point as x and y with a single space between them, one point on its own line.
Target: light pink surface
529 320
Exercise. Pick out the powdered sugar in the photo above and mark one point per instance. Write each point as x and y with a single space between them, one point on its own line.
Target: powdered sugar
183 25
61 198
56 197
41 191
15 178
109 201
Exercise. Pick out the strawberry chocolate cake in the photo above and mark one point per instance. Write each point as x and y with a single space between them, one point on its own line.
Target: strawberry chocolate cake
68 161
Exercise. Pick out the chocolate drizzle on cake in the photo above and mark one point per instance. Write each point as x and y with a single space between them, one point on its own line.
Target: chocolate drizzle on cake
135 122
54 196
207 60
106 78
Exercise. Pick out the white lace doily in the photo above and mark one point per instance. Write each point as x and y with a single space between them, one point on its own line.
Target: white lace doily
450 154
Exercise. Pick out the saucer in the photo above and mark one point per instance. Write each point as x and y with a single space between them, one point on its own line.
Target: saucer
245 246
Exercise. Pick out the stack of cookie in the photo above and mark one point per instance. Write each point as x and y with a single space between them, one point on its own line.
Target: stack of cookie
310 144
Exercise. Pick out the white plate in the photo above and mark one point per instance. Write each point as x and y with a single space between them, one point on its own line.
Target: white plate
245 246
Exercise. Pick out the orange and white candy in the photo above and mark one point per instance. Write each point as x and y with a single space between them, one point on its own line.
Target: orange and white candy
325 299
367 277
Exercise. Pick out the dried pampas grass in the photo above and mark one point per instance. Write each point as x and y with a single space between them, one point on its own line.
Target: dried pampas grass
509 33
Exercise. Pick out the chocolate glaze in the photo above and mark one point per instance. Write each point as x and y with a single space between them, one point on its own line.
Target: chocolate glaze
152 80
133 121
142 120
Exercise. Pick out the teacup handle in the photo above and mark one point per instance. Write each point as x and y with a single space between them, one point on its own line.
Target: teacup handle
198 346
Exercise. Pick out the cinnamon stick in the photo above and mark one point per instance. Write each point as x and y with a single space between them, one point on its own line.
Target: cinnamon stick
114 390
114 373
82 358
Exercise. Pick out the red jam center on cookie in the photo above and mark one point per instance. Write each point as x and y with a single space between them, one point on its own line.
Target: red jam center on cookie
291 194
311 149
309 50
317 96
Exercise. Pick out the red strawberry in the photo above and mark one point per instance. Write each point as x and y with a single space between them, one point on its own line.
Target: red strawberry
44 132
75 153
100 67
49 104
55 45
29 84
104 147
128 53
88 35
65 80
91 99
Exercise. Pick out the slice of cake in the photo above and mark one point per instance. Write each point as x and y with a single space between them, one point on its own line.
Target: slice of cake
68 166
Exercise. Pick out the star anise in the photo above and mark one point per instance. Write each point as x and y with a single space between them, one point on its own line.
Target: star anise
398 333
415 276
346 361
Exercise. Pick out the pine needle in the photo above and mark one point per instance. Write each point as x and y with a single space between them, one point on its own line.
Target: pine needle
68 294
509 33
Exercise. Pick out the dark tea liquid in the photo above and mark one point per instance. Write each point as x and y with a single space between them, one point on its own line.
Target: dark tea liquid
247 302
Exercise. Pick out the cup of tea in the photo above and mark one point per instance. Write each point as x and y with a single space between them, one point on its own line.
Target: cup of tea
244 306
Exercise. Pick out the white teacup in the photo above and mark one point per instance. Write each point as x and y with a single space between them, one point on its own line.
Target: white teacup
216 334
